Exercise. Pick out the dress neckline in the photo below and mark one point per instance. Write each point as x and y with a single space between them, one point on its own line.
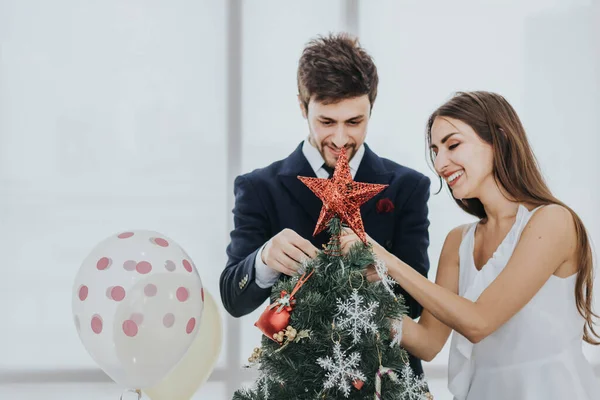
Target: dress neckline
520 210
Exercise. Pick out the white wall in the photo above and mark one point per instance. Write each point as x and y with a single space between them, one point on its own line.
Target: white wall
542 56
113 116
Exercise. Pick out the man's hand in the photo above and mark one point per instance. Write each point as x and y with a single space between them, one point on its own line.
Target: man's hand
286 251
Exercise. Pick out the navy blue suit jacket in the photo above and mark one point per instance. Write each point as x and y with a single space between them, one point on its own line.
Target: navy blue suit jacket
271 199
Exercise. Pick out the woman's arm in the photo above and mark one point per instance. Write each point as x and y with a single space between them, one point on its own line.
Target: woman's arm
426 338
547 241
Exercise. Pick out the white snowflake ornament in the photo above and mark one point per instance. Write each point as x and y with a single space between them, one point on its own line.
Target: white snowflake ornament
384 279
342 370
415 388
397 330
355 317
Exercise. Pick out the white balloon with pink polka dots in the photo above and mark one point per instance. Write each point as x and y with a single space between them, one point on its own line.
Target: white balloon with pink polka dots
137 305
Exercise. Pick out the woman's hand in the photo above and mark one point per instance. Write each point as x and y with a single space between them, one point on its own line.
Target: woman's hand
371 274
349 238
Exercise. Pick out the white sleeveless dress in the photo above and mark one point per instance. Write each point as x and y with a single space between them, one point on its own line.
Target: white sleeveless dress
537 354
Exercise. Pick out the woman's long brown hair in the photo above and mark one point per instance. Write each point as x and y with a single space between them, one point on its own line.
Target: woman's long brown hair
517 172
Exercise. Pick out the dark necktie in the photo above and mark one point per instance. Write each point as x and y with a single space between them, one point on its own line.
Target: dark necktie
328 169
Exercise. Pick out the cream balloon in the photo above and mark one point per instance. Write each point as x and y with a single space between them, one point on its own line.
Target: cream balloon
199 361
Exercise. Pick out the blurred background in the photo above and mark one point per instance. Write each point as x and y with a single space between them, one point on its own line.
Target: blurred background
131 114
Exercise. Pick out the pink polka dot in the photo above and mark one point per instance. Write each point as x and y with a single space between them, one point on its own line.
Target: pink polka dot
202 293
187 265
129 265
170 265
143 267
182 294
160 242
125 235
103 263
83 292
97 324
130 328
138 318
150 290
190 325
168 320
117 293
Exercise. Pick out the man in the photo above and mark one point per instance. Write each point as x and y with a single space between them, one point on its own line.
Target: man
275 213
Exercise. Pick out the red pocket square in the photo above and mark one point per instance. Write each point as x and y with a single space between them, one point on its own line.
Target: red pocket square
384 206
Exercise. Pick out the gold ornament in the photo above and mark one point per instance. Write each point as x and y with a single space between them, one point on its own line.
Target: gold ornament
255 355
290 333
279 336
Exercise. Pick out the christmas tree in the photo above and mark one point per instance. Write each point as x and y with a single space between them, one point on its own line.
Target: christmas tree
328 334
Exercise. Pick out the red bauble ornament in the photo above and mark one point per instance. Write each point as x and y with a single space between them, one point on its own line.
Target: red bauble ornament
276 316
358 384
272 322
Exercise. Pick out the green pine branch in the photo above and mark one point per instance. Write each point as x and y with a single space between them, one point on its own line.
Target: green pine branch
292 372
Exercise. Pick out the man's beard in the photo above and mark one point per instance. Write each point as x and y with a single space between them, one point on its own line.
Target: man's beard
350 152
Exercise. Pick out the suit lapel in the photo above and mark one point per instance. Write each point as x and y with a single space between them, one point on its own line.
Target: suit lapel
372 170
293 166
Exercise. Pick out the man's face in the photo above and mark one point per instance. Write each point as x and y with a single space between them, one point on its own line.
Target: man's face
337 125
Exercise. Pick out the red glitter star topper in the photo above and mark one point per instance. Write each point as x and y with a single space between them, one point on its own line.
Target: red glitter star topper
342 196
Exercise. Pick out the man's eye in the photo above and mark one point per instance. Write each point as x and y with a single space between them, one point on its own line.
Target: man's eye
453 146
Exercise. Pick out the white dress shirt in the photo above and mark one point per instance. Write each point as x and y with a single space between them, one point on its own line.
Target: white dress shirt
267 277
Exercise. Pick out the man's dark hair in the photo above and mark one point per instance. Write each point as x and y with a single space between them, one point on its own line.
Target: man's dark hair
335 68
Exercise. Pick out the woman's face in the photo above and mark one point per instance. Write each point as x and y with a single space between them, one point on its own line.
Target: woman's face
461 157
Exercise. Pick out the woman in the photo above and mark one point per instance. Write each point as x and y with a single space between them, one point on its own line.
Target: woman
516 286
